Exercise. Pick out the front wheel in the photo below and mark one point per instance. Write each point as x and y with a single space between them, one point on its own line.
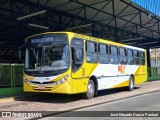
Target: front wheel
131 83
89 94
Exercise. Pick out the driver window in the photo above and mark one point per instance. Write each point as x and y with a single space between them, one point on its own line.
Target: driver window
58 56
77 51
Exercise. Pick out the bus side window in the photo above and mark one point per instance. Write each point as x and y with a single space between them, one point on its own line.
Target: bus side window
130 58
136 59
77 51
141 58
122 56
91 52
114 55
103 54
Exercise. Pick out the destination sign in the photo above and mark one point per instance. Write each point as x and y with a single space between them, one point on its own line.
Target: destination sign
48 39
42 40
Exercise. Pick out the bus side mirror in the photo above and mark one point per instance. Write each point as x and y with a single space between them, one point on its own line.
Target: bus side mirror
21 53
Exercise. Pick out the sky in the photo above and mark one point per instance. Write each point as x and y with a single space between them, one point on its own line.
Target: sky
151 5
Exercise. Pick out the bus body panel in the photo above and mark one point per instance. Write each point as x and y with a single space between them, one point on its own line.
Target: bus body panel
36 82
63 88
108 75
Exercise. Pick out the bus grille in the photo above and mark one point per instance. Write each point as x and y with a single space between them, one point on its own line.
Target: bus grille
34 82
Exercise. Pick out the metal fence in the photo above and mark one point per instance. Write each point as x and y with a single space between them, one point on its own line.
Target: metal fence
11 75
152 72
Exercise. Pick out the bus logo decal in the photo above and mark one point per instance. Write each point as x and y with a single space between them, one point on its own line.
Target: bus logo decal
121 69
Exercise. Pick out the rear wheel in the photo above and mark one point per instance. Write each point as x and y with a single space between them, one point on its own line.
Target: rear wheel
131 83
89 94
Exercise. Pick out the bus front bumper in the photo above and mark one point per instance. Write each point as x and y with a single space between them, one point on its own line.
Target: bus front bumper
63 88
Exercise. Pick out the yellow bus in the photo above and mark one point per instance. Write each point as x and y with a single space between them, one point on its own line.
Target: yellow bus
70 63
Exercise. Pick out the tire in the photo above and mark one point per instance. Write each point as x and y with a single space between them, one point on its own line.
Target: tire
89 94
131 83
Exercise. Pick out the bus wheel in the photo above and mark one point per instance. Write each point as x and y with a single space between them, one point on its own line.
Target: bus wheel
89 94
131 83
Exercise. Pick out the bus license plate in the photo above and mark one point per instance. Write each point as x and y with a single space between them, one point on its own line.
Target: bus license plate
41 87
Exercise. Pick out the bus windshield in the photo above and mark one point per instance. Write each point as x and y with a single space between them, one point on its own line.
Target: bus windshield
47 53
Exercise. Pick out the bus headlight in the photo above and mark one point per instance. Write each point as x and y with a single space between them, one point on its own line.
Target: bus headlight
27 81
64 79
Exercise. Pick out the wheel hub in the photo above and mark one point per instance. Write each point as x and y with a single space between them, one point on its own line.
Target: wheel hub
90 89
